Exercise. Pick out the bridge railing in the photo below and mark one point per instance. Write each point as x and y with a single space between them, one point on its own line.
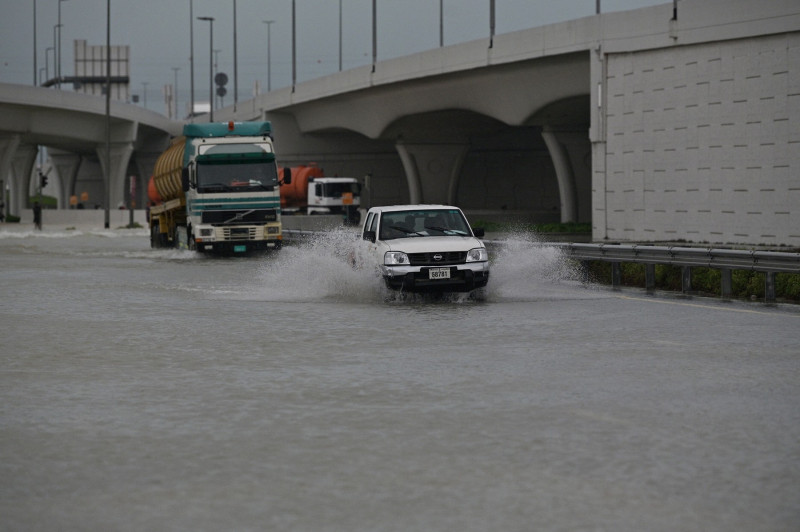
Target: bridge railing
724 260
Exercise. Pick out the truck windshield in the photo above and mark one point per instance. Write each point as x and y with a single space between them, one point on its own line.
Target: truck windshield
424 222
335 190
220 177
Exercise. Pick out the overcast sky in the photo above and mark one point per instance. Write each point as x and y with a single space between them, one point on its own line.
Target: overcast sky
157 32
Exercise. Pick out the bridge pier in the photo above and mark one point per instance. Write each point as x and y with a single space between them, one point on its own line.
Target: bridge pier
432 170
67 166
114 178
567 188
22 168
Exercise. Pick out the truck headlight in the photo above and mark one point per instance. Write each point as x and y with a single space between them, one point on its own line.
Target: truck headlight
395 258
206 231
477 255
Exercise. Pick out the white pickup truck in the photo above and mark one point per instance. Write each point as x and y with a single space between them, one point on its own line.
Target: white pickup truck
421 248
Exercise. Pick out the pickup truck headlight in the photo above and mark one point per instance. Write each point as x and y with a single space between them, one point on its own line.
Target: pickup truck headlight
395 258
477 255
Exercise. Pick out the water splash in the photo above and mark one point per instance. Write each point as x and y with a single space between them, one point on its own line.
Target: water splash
526 268
322 267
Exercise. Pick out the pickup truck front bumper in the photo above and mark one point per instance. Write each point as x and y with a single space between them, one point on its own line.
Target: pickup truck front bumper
463 278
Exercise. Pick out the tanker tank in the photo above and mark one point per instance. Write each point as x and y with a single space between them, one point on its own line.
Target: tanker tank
166 179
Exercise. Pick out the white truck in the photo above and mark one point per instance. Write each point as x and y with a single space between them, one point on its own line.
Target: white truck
423 248
311 192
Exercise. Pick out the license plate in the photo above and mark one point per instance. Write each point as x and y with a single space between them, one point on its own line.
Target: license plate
239 249
439 273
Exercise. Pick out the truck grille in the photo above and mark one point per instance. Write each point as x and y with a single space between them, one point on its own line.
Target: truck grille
430 259
239 233
243 216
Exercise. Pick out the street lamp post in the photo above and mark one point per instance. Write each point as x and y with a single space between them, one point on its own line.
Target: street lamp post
55 51
34 49
47 62
59 42
175 90
441 23
269 55
191 61
210 21
235 68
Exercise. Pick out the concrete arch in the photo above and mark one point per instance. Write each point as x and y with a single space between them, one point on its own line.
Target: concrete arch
564 125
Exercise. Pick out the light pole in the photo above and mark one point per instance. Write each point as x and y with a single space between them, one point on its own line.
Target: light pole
235 67
175 90
144 93
441 23
210 21
491 23
269 55
374 34
191 61
55 52
59 42
107 221
340 35
294 46
47 62
34 49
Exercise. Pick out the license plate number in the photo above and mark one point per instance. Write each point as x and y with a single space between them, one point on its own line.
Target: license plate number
439 273
239 249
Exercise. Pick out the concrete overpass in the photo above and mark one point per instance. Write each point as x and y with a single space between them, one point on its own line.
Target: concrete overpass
73 127
650 126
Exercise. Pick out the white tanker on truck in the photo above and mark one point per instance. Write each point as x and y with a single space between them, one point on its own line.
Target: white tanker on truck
311 192
217 189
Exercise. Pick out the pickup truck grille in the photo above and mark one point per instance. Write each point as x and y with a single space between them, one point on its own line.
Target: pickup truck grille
444 257
239 233
234 217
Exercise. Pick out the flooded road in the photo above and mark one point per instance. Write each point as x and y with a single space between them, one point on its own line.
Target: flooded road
160 390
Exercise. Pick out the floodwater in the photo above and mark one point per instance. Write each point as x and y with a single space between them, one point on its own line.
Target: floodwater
161 390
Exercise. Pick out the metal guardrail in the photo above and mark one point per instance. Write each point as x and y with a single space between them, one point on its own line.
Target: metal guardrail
762 261
725 260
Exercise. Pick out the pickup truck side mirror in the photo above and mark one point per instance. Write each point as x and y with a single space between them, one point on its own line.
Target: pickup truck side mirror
287 176
479 232
185 179
369 235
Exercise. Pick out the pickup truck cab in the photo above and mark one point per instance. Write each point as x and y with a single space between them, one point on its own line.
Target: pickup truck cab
421 248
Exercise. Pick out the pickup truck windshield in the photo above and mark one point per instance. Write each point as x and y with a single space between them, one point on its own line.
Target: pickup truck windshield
238 176
423 222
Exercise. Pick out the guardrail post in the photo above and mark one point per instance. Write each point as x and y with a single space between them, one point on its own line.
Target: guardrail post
616 275
650 278
686 280
769 287
727 284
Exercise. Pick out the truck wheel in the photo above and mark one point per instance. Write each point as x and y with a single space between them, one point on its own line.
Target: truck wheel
192 245
154 243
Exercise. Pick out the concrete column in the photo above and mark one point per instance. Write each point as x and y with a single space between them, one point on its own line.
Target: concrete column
22 168
114 179
566 179
432 170
145 162
8 149
67 166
